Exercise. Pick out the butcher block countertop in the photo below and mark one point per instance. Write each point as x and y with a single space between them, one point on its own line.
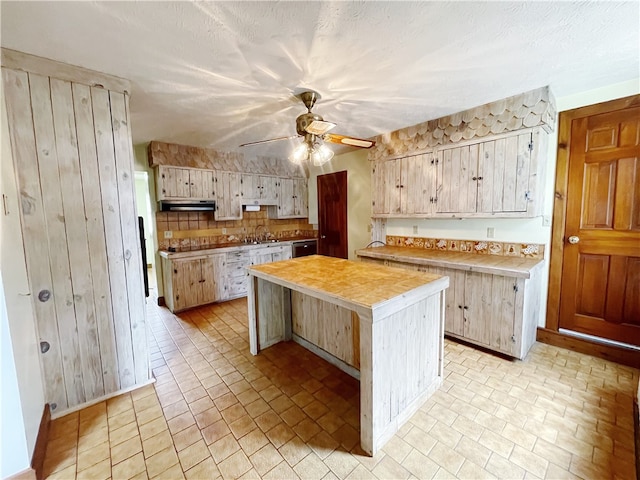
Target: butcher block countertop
492 264
350 284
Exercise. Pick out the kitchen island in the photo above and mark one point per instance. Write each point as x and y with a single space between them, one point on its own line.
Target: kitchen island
382 325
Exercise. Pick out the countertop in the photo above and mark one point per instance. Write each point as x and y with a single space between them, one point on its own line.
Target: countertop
351 283
493 264
227 247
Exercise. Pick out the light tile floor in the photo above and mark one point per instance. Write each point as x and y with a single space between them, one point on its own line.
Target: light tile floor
215 410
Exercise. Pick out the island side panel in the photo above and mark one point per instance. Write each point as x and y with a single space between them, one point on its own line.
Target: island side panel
274 313
269 312
401 366
325 325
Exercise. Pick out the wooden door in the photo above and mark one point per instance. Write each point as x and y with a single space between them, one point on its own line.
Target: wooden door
332 215
600 292
71 149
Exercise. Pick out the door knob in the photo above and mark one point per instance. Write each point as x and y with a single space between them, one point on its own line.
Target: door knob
573 239
323 236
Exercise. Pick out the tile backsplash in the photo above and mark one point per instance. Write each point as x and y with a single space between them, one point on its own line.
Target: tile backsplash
482 247
199 229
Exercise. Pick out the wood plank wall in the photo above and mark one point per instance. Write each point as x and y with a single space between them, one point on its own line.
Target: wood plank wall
72 150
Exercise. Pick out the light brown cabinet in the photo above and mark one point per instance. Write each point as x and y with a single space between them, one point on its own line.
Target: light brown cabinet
259 189
228 198
195 281
292 199
498 312
499 176
183 183
191 281
404 186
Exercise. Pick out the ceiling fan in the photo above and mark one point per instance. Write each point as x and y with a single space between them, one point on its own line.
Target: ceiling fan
313 128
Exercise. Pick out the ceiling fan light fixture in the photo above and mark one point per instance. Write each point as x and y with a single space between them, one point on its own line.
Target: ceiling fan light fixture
320 154
299 154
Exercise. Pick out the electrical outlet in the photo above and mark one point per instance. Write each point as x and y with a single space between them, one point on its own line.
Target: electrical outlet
490 232
224 231
546 220
415 229
168 234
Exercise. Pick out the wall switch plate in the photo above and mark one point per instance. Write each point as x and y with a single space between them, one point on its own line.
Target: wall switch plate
546 220
168 234
224 231
415 229
490 232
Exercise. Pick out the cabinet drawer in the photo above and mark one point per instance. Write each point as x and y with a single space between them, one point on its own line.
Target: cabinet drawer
237 287
237 269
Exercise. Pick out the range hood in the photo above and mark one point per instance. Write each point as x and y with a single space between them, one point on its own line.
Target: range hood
187 205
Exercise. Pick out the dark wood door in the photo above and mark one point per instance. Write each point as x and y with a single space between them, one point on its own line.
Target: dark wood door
600 293
332 215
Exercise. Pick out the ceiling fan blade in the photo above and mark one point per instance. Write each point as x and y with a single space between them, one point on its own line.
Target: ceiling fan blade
268 141
319 127
351 141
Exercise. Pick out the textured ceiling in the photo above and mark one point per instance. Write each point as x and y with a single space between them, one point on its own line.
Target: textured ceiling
218 74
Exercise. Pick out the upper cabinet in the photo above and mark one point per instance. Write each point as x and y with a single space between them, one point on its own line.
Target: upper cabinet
499 176
286 197
404 186
176 182
259 189
292 199
228 195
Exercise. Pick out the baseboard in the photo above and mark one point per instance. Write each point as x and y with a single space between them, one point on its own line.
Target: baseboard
40 448
161 302
624 356
122 391
28 474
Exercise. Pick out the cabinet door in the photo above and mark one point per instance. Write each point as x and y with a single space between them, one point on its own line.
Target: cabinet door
228 201
418 181
504 167
268 189
378 203
300 198
186 276
249 186
478 308
201 184
286 205
173 182
393 186
213 275
502 334
457 179
454 315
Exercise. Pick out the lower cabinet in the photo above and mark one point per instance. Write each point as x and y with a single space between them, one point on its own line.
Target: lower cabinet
190 282
497 312
193 281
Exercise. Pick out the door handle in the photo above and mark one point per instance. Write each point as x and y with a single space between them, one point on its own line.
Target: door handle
573 239
323 236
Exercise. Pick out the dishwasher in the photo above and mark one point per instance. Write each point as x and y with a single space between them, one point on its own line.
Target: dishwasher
302 248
